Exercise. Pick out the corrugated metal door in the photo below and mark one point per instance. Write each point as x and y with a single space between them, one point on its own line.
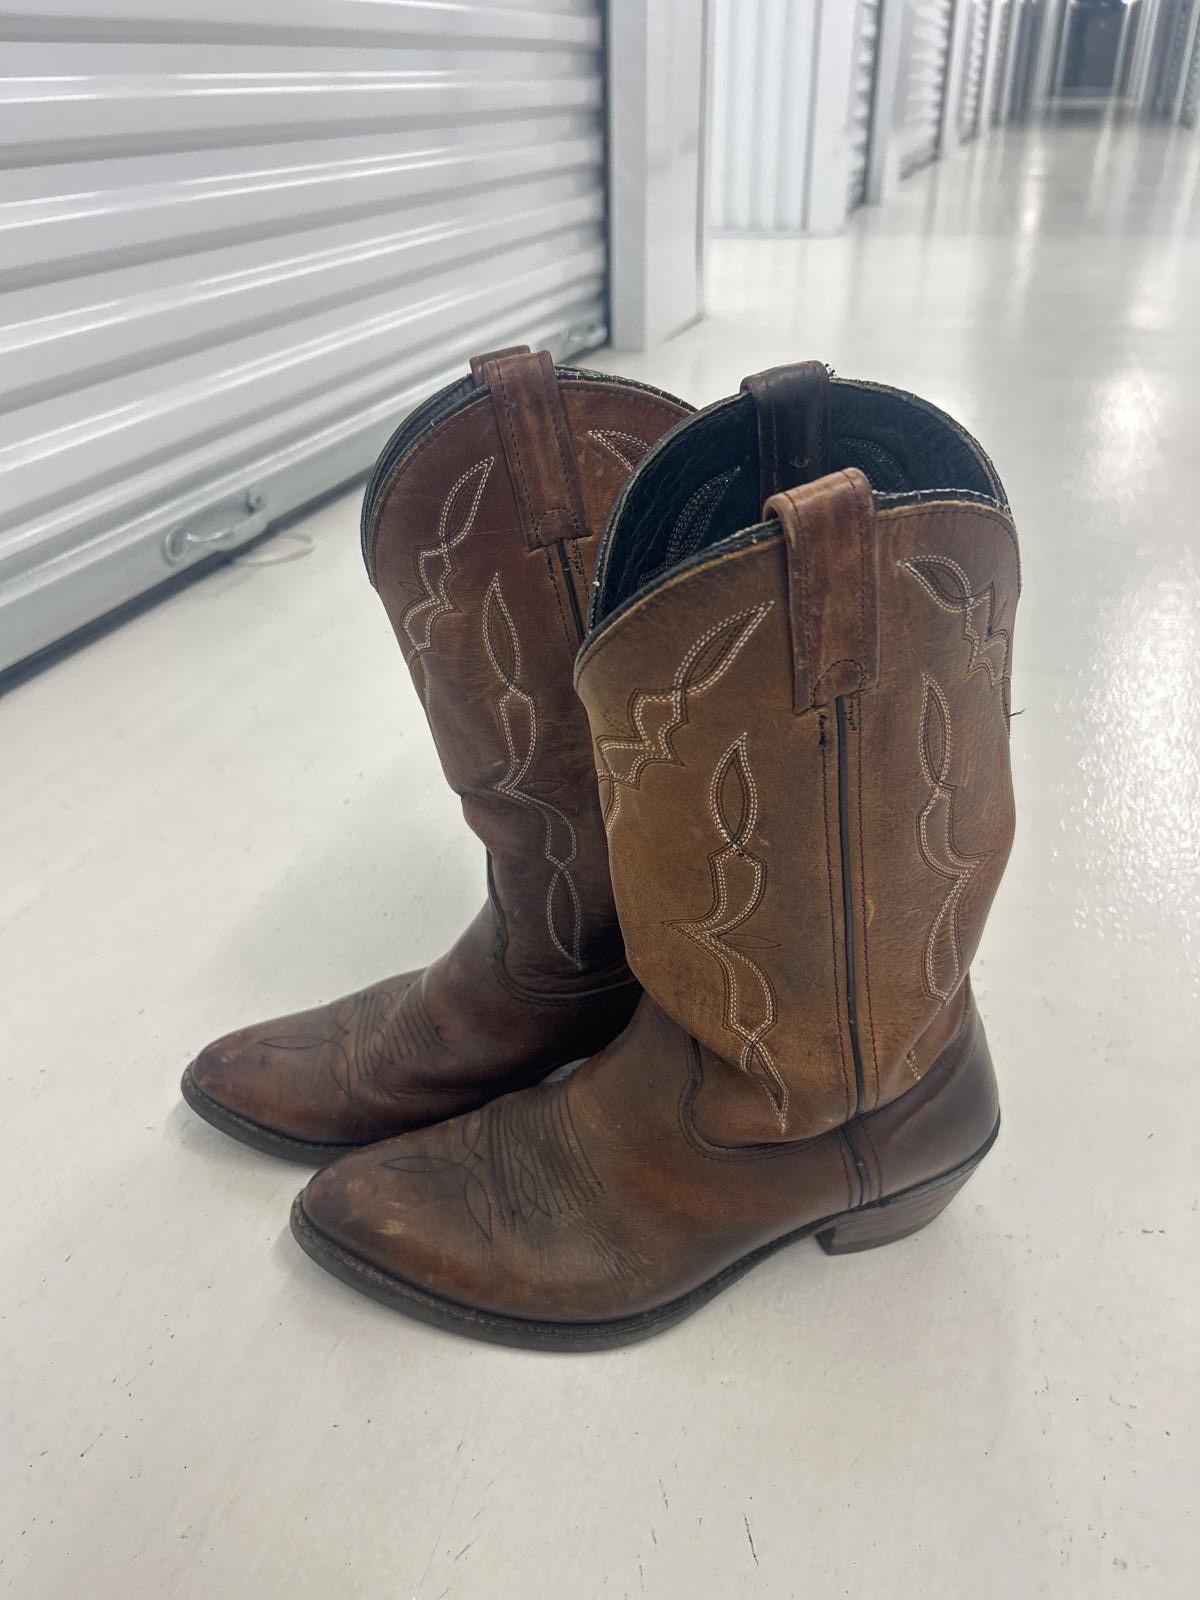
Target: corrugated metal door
862 93
1000 70
925 60
970 103
762 55
238 241
1189 109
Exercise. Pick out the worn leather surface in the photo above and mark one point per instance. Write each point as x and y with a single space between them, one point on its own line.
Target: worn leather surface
741 923
802 878
481 542
593 1196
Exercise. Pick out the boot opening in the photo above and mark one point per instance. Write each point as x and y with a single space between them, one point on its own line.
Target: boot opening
700 488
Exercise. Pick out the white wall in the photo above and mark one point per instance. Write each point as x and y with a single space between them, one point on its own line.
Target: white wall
780 109
656 59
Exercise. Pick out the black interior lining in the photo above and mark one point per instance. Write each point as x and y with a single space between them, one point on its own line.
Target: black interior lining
699 488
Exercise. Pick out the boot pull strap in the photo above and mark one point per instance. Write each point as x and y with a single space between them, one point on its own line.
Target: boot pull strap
537 446
833 582
479 362
794 432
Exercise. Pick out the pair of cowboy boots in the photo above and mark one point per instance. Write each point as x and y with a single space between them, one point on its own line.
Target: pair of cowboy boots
741 768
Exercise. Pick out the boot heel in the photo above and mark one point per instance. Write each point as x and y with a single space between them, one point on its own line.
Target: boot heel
889 1220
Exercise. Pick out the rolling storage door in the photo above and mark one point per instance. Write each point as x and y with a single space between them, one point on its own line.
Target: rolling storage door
1189 109
238 242
862 91
970 104
928 27
1000 69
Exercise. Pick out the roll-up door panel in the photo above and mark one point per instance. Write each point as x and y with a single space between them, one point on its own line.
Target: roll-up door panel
862 91
1189 110
238 243
928 50
970 102
1004 38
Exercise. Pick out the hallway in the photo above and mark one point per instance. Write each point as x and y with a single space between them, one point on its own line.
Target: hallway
1004 1405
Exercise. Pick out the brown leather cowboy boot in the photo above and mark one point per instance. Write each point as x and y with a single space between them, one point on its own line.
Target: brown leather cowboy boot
801 733
480 528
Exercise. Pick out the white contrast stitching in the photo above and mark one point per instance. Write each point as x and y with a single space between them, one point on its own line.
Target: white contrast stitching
607 439
942 858
435 595
649 749
511 783
711 930
965 605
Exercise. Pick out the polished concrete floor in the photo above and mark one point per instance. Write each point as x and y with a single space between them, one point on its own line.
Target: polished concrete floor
229 806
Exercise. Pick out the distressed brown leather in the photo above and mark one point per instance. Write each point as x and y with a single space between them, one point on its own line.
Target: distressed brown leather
481 541
801 738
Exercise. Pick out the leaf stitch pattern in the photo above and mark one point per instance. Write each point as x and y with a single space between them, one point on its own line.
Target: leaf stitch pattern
518 718
949 587
626 448
739 881
935 835
434 565
656 716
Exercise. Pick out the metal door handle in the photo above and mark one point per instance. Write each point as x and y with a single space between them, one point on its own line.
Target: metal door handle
217 527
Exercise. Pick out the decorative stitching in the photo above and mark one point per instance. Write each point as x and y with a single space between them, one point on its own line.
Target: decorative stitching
964 603
712 930
943 954
693 522
436 602
626 447
518 769
701 669
520 1157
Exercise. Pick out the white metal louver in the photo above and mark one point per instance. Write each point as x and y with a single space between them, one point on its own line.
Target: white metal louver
862 91
924 78
1189 107
1004 36
238 242
970 103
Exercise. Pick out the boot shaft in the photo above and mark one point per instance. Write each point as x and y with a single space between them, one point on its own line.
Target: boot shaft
480 528
801 734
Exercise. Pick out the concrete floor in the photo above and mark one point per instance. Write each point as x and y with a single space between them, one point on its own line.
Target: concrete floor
203 816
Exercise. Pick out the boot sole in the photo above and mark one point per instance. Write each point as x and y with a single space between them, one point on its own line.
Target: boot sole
307 1152
884 1222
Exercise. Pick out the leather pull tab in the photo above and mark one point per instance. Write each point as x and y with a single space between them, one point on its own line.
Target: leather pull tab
537 446
479 362
794 431
833 586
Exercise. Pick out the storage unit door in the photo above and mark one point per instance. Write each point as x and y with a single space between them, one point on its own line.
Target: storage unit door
1189 110
924 65
862 92
239 241
969 105
1004 39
